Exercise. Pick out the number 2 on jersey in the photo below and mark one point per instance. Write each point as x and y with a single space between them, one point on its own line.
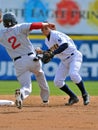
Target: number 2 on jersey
13 40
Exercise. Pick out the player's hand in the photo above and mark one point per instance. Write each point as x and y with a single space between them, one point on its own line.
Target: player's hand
39 50
47 56
0 16
52 26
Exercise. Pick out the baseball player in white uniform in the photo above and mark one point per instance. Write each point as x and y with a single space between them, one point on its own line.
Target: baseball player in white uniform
64 48
14 37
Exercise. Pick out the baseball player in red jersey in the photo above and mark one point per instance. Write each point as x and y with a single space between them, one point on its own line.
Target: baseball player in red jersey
14 37
64 48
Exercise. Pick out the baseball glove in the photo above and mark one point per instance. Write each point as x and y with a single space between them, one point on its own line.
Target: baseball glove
47 56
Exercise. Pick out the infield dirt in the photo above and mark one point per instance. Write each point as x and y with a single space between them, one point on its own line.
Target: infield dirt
55 116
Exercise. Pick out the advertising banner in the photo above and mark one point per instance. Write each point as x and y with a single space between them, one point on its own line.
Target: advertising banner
69 16
88 45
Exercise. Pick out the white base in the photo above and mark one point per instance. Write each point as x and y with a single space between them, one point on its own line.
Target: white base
6 102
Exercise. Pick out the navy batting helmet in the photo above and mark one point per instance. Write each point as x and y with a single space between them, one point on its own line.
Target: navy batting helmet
9 19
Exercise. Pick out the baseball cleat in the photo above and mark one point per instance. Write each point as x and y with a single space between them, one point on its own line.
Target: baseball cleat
86 99
19 99
45 103
72 100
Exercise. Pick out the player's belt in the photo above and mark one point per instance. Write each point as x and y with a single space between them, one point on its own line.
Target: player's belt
70 55
21 56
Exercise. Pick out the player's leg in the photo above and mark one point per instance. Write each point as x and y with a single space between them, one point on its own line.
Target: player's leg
41 79
24 78
25 89
44 88
75 65
59 81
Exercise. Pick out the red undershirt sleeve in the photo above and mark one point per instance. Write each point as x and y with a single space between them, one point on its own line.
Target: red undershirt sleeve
38 25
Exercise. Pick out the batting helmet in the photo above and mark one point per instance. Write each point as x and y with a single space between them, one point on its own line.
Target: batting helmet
9 19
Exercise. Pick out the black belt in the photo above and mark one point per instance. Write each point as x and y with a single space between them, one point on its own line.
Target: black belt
70 55
21 56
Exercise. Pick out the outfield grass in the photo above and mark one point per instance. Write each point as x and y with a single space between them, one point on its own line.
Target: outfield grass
8 87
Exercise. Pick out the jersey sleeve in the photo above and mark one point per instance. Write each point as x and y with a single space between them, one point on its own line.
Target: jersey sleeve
36 25
59 38
25 28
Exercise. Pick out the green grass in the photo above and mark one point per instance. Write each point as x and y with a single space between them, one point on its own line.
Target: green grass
8 87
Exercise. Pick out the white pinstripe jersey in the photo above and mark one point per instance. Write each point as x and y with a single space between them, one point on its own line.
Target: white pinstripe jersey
56 39
15 40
